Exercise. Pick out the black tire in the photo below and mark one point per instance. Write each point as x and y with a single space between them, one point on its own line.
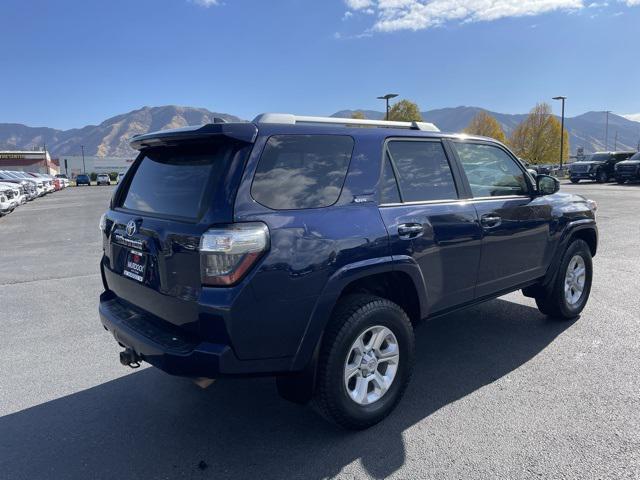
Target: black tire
553 302
575 180
602 177
352 316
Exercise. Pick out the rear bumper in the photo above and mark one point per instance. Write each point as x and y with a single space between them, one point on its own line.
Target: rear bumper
171 349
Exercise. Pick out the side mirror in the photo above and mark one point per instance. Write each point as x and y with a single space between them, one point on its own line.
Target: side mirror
547 185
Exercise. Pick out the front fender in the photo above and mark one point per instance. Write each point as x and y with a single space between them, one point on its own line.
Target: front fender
335 286
571 230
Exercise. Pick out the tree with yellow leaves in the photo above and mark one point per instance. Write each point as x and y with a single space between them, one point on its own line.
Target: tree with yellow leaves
405 111
486 125
537 138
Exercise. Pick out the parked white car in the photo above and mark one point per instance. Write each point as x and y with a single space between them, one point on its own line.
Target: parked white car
13 194
38 182
7 203
103 179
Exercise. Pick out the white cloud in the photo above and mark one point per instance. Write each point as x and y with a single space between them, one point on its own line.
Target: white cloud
420 14
358 4
632 116
207 3
347 15
393 15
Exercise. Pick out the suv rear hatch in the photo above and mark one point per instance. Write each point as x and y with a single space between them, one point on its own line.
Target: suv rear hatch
175 191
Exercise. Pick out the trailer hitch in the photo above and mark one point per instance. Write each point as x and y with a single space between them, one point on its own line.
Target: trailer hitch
129 358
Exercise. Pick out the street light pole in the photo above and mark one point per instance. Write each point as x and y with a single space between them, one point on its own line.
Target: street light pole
84 170
387 97
561 130
606 132
46 164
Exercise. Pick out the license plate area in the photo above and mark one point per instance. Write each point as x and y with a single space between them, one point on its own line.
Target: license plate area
135 265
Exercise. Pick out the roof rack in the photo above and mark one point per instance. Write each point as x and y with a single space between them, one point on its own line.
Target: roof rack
289 119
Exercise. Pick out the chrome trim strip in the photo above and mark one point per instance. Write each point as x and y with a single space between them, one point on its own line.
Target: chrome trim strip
457 200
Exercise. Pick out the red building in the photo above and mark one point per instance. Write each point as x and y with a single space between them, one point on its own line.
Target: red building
37 161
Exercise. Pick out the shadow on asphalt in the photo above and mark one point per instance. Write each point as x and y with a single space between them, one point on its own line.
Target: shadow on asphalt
151 425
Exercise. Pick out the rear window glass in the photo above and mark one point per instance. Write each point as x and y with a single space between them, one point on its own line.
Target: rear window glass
173 182
302 171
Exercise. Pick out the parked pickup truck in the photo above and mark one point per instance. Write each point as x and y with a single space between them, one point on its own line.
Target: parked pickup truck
628 170
599 167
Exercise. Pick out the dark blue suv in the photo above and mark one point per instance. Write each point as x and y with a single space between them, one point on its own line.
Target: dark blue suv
307 248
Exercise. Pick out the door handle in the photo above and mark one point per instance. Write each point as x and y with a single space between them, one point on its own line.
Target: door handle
490 220
407 231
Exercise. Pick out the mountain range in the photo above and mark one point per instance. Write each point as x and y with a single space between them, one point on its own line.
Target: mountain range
111 137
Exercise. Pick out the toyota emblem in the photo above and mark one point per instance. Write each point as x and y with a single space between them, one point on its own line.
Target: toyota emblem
131 228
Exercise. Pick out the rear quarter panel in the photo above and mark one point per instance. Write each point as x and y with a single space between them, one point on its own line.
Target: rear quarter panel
307 248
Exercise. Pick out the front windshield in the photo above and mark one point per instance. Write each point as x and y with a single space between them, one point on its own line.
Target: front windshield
636 156
599 157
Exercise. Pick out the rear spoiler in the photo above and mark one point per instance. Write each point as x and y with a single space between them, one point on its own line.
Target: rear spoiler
244 132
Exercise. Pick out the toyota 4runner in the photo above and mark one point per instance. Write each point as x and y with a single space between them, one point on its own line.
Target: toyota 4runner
307 248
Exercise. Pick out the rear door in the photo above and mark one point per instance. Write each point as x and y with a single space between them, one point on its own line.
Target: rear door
428 219
516 245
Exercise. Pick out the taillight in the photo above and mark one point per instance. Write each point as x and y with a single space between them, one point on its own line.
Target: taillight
227 253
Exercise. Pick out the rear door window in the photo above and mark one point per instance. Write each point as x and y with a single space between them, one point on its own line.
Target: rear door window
423 171
302 171
174 181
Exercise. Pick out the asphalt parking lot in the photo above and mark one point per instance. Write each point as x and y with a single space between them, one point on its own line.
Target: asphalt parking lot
498 390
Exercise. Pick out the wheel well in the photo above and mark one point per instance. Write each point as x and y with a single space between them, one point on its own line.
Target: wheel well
395 286
590 237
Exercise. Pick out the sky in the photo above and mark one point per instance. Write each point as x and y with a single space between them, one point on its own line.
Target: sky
70 63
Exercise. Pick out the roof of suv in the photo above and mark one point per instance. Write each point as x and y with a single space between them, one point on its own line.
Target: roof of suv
282 124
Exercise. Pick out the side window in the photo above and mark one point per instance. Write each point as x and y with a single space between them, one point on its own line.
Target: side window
389 186
491 171
302 171
423 170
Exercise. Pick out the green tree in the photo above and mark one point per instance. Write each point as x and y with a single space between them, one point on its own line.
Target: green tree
537 138
358 115
487 126
405 111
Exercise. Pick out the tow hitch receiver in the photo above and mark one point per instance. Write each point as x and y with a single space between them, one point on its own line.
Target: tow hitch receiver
129 358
